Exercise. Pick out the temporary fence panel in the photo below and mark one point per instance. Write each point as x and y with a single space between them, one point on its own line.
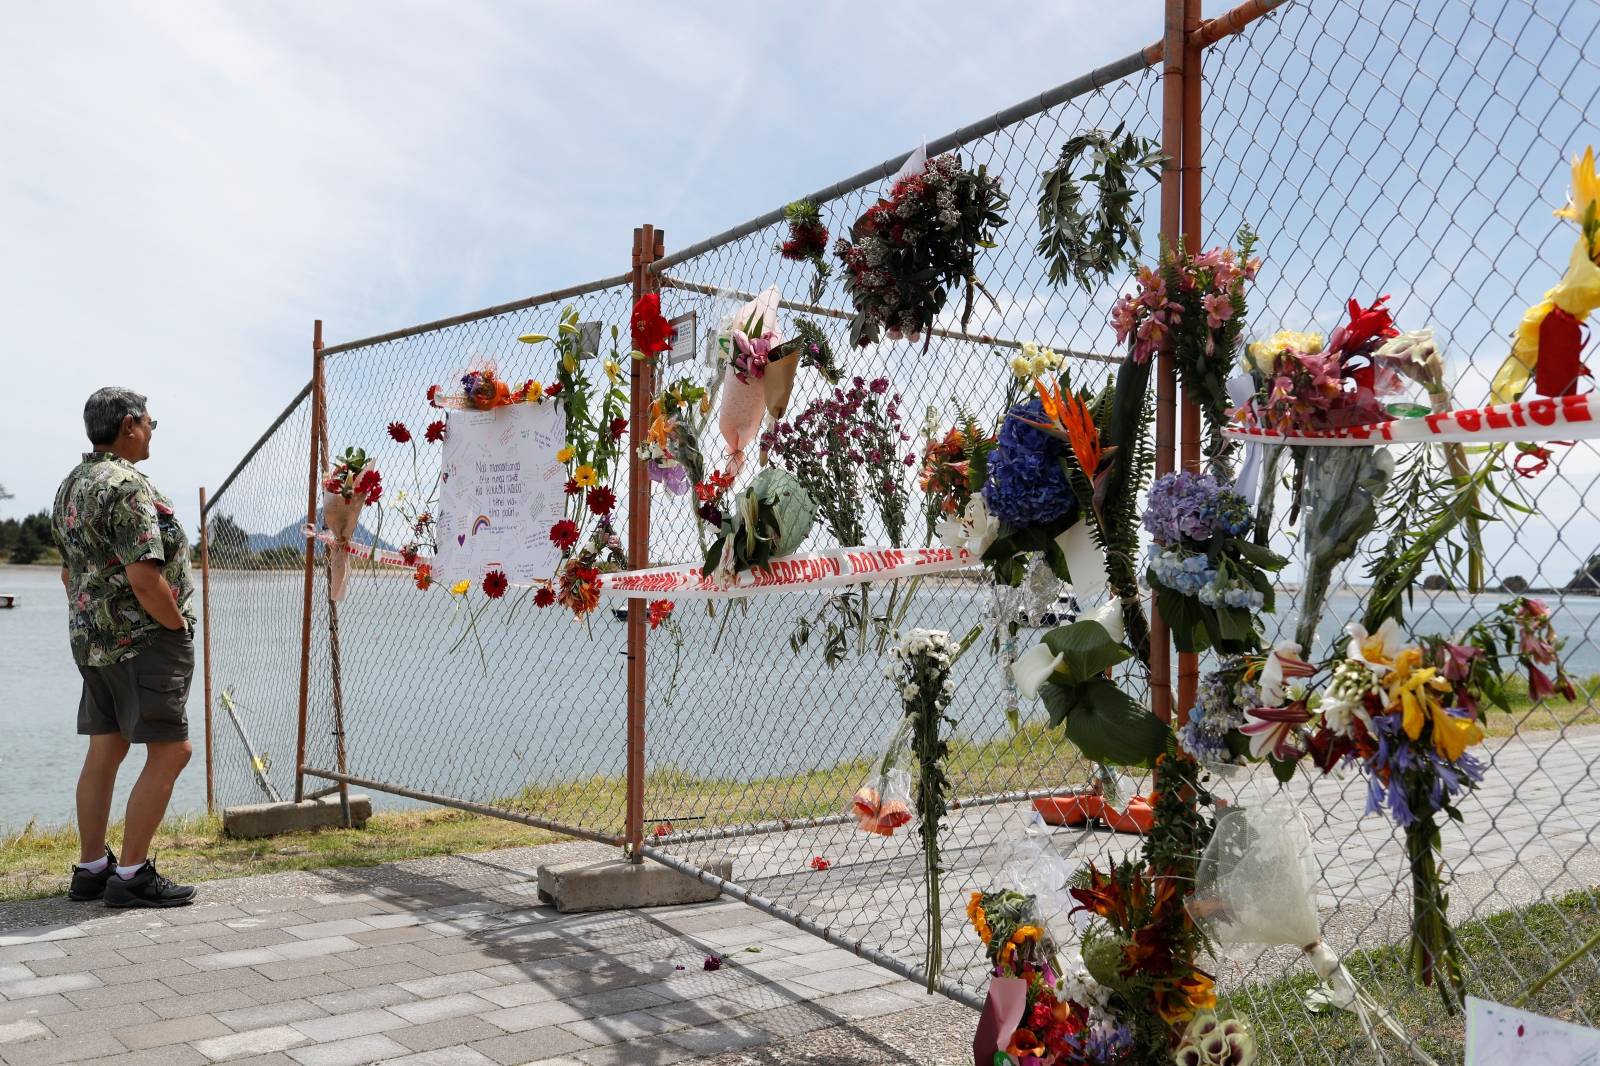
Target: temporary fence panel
1377 148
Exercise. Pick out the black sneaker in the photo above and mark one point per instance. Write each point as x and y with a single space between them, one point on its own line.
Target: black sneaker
87 886
147 888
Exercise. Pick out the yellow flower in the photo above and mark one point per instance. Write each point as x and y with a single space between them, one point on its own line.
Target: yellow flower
535 392
565 455
1260 355
979 920
460 588
613 371
569 362
585 476
1585 194
1577 293
1022 368
1418 689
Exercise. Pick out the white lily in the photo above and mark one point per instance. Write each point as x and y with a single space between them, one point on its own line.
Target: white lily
1283 663
1376 650
1109 615
1033 668
975 529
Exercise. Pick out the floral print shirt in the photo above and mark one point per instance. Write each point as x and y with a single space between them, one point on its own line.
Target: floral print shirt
106 516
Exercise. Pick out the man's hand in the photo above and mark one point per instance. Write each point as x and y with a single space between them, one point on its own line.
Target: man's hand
154 594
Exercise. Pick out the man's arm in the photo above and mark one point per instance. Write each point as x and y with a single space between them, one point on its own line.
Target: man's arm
154 594
63 577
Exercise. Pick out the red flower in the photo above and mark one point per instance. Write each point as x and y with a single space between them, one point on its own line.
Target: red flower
433 390
408 555
712 963
564 534
619 426
660 611
544 597
572 487
1367 324
399 432
819 863
602 500
494 584
553 389
423 577
370 485
435 432
651 331
662 829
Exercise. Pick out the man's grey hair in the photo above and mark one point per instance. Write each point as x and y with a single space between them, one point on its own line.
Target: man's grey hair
103 414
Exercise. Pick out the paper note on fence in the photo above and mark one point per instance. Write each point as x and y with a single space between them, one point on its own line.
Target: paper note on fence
501 493
1497 1035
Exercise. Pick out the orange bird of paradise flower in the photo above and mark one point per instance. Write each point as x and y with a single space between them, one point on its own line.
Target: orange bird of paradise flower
1069 419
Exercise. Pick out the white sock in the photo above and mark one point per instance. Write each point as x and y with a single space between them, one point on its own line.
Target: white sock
127 872
98 866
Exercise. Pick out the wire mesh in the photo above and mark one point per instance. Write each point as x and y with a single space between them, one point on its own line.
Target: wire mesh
1378 147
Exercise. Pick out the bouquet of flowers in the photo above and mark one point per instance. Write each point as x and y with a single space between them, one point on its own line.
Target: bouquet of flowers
848 449
1209 578
949 478
1192 306
772 519
911 248
671 449
352 482
752 337
1550 336
807 243
482 389
1040 1010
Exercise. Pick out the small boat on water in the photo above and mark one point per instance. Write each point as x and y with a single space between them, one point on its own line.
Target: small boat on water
7 600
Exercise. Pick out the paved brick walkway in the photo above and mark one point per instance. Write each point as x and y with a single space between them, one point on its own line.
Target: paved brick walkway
455 966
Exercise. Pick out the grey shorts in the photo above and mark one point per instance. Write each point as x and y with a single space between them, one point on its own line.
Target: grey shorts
144 697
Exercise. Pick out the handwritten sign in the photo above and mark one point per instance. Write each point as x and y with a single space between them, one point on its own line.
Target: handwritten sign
1497 1035
501 493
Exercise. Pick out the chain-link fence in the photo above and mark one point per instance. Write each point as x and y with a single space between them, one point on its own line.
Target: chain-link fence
1377 147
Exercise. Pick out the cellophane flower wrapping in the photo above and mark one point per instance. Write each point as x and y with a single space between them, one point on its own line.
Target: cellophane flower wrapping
1342 489
1256 883
341 517
744 402
883 804
1028 862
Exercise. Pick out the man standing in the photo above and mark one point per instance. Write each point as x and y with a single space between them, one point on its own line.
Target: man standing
131 621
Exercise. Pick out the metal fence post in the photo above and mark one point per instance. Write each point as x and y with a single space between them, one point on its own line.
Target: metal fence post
1189 197
311 551
205 645
1166 373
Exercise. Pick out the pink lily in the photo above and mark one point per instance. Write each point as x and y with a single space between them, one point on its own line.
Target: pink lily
1271 729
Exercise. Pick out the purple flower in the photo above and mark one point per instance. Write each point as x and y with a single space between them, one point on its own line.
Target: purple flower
1027 485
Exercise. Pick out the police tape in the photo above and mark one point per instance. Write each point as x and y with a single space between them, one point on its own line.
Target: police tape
1543 420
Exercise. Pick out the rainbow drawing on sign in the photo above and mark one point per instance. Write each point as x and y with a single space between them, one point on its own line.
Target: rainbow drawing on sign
481 522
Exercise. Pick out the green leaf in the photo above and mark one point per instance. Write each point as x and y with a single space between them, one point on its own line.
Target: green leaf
1282 769
1112 727
1058 700
1186 618
1087 650
1261 556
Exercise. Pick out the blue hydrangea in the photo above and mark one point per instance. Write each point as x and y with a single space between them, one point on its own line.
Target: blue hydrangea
1027 486
1196 506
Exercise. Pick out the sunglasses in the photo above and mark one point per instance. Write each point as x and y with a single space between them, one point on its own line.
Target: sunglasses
153 425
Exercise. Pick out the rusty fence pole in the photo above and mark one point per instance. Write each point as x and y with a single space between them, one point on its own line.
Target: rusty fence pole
205 644
648 246
1166 373
335 656
1190 189
311 554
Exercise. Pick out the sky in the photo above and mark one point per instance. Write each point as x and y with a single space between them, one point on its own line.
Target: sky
189 185
198 182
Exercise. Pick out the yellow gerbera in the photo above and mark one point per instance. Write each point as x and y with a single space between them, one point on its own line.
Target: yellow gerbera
565 455
535 392
585 476
460 588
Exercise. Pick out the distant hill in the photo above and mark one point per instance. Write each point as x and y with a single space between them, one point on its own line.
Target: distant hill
293 536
